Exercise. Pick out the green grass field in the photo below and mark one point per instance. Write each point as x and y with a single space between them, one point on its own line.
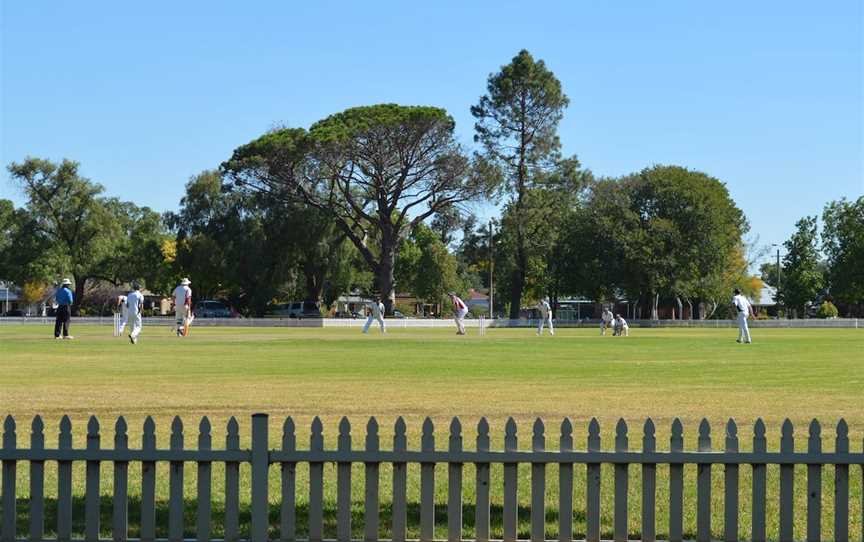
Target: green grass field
661 373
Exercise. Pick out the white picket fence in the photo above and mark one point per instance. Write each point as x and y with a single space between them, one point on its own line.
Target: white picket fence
402 323
261 457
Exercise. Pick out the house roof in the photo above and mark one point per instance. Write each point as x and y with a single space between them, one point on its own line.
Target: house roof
767 297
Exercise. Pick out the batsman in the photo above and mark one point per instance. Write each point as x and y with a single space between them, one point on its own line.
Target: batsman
183 307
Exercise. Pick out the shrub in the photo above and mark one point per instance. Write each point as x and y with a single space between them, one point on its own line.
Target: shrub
477 311
827 310
405 308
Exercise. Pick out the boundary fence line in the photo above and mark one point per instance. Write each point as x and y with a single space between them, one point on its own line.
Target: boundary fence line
399 323
261 457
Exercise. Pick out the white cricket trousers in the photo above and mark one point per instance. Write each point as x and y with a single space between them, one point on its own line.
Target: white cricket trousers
135 321
547 321
743 330
380 324
459 318
124 319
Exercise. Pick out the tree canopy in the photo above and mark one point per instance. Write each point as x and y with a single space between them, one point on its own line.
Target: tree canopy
376 171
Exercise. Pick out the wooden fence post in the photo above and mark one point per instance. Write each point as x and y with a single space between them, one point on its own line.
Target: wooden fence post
787 484
676 484
175 484
649 484
427 484
400 482
481 513
730 504
37 482
814 485
622 484
7 530
316 483
148 483
538 485
260 472
91 486
120 524
288 518
343 484
703 486
592 491
454 485
205 496
760 445
511 477
232 484
565 485
841 486
370 527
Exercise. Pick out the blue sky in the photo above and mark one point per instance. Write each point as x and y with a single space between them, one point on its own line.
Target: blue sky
766 96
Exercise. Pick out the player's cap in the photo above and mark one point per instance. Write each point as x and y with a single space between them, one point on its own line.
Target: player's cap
185 282
737 291
66 282
136 286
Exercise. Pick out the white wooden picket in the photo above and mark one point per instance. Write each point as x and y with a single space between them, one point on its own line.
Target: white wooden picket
260 457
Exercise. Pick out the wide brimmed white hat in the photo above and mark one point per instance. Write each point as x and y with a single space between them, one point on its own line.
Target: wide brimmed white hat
66 282
185 282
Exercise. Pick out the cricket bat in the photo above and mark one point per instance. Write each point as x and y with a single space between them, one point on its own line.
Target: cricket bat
187 324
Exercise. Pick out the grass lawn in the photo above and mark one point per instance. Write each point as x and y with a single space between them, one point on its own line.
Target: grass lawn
661 373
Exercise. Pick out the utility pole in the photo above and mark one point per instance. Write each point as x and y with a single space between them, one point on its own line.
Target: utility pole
777 294
491 265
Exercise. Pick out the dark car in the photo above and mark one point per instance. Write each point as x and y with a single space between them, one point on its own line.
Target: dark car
14 312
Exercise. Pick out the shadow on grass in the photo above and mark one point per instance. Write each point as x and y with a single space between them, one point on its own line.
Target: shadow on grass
217 519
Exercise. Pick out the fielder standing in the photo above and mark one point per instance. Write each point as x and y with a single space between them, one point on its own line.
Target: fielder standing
605 320
182 305
123 311
64 299
134 307
376 312
460 309
545 316
742 305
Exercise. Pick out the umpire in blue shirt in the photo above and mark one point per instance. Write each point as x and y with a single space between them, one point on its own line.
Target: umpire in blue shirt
64 298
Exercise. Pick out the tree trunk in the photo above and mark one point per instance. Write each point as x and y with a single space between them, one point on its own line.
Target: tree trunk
655 300
314 275
690 304
384 279
680 308
517 283
80 284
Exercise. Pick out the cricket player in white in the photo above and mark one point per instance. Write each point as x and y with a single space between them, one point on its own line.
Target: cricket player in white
545 316
376 312
134 304
122 309
605 320
460 309
183 305
742 305
621 328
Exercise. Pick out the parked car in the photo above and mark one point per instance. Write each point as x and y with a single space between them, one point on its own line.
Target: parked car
14 312
212 309
398 314
296 309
